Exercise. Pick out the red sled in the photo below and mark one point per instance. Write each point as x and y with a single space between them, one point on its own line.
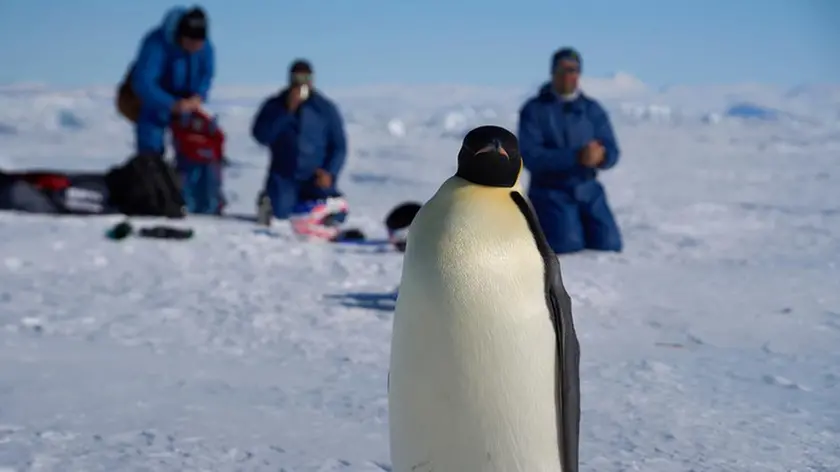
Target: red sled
198 138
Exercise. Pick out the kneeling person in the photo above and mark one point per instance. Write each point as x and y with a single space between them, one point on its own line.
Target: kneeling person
304 132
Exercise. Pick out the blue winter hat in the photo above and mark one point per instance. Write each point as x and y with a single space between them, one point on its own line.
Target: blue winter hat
566 54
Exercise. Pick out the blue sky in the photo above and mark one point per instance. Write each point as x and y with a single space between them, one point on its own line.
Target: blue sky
352 42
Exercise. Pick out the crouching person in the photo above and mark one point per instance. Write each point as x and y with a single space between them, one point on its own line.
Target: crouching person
304 132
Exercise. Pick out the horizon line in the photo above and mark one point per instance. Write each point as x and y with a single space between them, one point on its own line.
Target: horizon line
615 77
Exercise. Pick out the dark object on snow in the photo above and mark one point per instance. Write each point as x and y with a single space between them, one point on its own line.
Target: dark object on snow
41 191
165 232
146 186
124 229
398 221
350 235
120 231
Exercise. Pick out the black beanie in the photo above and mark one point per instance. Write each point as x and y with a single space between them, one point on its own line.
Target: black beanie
193 24
300 66
566 54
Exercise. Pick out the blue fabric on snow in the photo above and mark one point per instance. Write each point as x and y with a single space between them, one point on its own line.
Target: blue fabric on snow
164 73
300 143
201 186
570 203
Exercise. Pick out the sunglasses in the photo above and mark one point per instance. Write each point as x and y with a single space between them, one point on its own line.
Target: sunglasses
567 70
301 77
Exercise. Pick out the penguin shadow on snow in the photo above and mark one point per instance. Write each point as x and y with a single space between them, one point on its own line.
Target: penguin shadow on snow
382 301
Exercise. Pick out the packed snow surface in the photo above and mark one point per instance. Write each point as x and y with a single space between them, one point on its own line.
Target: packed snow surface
711 344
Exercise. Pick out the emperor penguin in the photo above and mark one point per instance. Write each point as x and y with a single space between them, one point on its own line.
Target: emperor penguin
484 366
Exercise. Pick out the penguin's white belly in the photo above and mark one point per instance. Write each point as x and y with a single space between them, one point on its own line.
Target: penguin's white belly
473 362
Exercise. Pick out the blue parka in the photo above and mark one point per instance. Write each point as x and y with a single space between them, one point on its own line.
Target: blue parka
569 202
164 73
311 138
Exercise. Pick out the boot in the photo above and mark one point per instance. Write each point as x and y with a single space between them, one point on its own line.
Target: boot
264 210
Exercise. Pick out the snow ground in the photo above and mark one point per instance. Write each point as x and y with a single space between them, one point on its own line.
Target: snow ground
711 344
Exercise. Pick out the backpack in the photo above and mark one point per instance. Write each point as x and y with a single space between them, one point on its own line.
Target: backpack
127 102
198 138
146 186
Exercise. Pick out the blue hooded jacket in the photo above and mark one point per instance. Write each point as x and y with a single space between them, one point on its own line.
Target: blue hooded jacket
164 72
311 138
552 133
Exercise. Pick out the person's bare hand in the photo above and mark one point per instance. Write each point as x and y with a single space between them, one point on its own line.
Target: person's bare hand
187 105
194 103
180 106
592 155
323 179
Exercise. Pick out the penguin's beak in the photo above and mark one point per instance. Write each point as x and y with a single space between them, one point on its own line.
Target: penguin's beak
493 147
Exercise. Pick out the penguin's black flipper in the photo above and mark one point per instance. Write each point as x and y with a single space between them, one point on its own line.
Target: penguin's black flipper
568 374
568 348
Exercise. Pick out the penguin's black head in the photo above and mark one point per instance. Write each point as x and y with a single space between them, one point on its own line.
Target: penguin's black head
490 156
